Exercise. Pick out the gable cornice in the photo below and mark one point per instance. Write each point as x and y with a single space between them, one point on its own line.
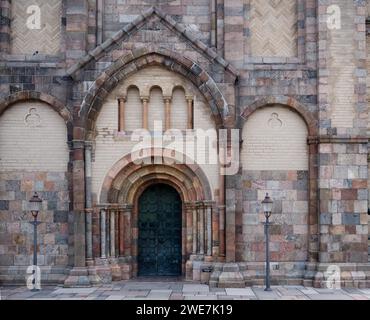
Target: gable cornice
135 25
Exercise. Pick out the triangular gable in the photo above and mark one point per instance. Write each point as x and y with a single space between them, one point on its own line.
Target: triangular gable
178 28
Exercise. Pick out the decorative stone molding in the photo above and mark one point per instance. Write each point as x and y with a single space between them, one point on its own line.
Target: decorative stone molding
137 60
284 101
40 96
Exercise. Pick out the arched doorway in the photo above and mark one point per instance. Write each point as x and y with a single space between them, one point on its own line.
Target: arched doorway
159 243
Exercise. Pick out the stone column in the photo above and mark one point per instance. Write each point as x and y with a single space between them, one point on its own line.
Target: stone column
190 122
112 229
220 27
167 113
89 249
223 146
99 22
121 114
79 274
145 101
116 269
122 231
125 260
77 17
215 231
107 232
230 231
201 227
189 227
208 228
5 17
221 210
103 269
116 232
195 230
88 203
103 236
192 238
213 5
128 226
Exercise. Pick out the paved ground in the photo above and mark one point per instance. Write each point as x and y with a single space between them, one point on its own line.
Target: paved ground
134 290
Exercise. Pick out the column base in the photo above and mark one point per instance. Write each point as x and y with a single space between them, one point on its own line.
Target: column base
93 274
189 270
125 264
78 278
103 270
115 269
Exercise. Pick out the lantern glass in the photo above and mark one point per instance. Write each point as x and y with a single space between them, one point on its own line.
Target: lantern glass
267 204
35 203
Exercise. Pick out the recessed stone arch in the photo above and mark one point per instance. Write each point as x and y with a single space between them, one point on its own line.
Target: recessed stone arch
139 59
22 96
286 101
125 177
126 181
312 175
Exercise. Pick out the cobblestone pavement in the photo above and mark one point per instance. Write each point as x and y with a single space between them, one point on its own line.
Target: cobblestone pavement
136 290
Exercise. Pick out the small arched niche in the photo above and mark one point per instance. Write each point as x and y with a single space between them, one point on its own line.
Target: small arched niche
275 138
275 161
179 114
134 109
156 107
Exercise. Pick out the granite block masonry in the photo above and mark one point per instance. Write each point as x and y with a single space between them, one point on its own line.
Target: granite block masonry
73 91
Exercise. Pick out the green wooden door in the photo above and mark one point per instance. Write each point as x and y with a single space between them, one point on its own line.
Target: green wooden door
159 232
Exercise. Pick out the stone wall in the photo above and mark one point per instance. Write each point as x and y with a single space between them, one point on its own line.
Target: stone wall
16 233
275 161
343 125
111 146
308 77
33 158
197 15
341 86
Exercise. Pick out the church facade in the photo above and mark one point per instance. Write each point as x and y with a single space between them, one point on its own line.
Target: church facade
152 131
